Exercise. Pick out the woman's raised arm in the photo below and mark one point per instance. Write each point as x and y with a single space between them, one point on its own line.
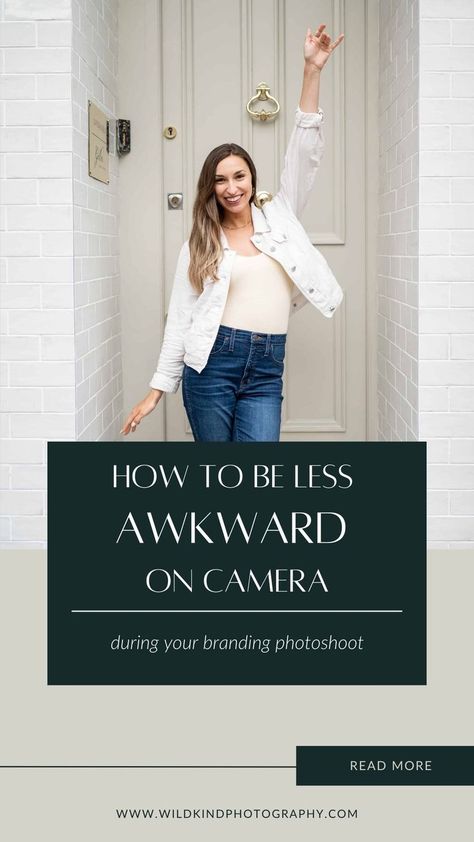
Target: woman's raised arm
306 144
317 49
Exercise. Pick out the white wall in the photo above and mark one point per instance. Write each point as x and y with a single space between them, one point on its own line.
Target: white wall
447 266
96 279
37 341
397 246
60 330
426 260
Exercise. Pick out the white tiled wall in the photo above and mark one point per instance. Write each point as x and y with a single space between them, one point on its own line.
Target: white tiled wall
97 316
60 331
428 269
36 283
447 265
398 222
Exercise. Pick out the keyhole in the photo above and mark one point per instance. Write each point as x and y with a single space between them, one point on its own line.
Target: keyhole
170 131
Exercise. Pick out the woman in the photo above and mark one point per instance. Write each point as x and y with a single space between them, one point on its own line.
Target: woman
232 294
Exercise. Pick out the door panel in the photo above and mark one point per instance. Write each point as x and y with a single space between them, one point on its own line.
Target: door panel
215 52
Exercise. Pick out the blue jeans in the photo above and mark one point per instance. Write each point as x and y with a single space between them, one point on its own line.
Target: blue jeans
237 396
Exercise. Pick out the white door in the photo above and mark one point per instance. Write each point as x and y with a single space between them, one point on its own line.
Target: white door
212 55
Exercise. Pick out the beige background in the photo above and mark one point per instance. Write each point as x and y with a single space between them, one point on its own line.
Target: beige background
222 725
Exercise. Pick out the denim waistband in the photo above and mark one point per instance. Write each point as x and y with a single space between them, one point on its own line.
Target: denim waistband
252 335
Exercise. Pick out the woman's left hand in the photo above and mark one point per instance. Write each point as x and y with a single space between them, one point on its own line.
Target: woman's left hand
318 47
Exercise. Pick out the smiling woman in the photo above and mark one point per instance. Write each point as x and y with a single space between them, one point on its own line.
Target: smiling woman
228 316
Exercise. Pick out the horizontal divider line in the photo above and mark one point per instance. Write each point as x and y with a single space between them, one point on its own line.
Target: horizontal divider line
236 611
4 766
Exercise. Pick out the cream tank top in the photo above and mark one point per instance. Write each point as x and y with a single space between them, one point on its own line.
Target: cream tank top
259 296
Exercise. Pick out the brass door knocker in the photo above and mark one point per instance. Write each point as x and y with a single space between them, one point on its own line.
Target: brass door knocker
263 95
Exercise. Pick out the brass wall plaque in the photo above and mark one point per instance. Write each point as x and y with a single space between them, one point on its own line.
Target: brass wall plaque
98 144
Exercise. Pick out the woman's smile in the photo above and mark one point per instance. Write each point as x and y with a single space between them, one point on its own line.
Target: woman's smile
233 184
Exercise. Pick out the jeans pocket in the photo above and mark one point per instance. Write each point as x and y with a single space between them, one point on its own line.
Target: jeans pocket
219 345
278 352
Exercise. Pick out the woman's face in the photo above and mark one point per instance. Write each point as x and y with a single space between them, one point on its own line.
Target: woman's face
233 184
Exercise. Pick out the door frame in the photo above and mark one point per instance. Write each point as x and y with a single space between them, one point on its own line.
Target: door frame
140 65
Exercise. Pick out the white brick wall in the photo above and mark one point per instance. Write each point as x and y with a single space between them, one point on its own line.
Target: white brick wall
36 288
398 222
97 317
435 281
60 330
447 265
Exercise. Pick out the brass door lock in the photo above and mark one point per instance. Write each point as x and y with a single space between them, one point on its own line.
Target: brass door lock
175 201
170 132
261 197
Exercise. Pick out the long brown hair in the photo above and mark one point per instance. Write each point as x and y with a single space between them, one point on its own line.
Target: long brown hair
204 242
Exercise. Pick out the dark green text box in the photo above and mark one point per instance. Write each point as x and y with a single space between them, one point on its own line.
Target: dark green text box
385 765
311 573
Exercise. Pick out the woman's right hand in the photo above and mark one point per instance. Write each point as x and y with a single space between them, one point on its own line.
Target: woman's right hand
141 409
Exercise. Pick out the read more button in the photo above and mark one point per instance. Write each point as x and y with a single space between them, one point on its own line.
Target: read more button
395 765
385 766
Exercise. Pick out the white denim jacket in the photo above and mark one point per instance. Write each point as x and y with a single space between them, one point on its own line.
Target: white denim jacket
194 319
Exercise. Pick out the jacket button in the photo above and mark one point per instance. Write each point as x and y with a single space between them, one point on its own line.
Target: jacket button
331 309
311 290
293 269
272 248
